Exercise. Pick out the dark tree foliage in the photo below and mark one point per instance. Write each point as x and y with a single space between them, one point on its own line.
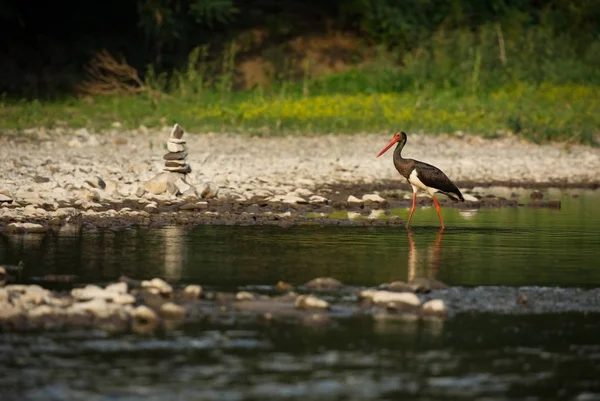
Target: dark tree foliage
45 43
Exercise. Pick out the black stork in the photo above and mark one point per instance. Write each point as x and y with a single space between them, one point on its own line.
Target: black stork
422 176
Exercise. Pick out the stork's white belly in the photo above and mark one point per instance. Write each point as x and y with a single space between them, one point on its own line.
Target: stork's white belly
416 183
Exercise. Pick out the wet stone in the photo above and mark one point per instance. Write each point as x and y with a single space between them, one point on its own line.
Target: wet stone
397 286
388 297
144 320
421 284
324 283
434 308
172 311
157 284
192 291
310 302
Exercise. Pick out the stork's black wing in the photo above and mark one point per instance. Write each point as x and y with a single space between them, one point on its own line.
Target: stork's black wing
433 177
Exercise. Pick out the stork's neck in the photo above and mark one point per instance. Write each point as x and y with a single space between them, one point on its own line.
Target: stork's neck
398 151
404 166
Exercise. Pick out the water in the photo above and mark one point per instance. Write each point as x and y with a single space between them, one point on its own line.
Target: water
470 356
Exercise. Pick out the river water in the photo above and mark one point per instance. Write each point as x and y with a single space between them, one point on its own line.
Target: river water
472 355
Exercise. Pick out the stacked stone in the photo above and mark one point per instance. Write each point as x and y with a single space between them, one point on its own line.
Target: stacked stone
176 159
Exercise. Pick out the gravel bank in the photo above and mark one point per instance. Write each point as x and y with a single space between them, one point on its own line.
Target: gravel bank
44 173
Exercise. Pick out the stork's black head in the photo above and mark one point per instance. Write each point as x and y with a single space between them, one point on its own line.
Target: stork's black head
399 137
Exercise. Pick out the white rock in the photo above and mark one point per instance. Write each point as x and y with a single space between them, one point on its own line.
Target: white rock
118 288
385 297
435 306
372 198
290 198
354 199
170 310
244 296
310 302
161 285
123 299
317 199
25 228
144 320
97 307
175 147
44 311
303 192
192 291
5 199
91 292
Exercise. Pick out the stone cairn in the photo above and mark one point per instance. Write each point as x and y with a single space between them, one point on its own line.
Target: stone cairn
173 178
176 159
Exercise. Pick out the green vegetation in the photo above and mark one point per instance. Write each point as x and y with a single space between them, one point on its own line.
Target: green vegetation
530 68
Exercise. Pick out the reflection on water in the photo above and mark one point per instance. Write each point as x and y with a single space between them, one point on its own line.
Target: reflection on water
472 356
510 246
428 261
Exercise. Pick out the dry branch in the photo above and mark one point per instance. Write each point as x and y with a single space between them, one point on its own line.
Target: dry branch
105 75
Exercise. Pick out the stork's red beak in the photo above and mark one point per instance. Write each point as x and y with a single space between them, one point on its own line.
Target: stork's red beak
389 145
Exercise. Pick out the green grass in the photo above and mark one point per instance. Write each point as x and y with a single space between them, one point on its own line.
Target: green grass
547 112
538 87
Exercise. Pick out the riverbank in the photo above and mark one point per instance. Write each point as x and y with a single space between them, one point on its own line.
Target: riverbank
50 178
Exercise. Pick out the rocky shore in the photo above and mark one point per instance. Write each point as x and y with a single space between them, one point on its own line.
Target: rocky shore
151 306
51 179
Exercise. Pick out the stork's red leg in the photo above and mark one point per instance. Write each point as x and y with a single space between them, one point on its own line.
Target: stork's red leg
412 209
439 211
